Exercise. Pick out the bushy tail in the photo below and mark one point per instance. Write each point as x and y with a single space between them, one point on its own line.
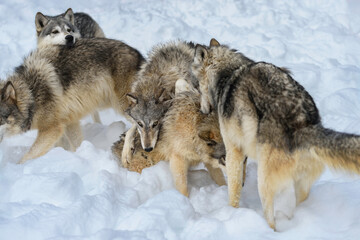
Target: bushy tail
338 150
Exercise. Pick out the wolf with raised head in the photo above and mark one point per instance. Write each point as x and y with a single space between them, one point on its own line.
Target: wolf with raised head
65 29
52 90
154 88
265 114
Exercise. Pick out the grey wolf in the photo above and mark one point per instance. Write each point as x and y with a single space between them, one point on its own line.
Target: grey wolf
152 91
187 137
52 90
265 114
64 29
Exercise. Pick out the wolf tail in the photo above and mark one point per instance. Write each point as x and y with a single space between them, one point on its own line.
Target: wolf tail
340 151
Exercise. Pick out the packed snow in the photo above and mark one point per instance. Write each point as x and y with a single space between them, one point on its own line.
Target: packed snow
86 195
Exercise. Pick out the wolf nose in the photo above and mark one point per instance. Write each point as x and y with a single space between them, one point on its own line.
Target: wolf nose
69 38
148 149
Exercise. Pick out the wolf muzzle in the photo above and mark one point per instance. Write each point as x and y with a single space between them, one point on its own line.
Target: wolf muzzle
149 149
69 40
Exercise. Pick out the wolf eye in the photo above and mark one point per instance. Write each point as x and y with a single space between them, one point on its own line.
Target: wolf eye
211 143
155 124
140 124
69 30
55 32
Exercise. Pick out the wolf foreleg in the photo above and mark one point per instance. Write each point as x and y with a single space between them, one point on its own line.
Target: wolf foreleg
129 146
45 140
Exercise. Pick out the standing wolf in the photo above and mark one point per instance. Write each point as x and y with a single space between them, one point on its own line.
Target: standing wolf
65 29
52 90
151 93
266 115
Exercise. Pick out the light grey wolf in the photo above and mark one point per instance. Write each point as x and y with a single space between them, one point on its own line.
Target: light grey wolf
265 114
187 137
64 29
52 89
152 91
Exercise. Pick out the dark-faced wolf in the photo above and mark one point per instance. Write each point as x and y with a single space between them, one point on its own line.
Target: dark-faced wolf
265 114
56 86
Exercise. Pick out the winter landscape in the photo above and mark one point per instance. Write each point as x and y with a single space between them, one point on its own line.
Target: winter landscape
86 195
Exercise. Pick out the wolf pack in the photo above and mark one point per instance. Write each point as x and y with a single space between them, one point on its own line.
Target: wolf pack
188 103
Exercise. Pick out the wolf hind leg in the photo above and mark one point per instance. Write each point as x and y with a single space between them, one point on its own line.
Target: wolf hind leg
234 171
96 117
275 171
74 135
216 174
267 193
306 177
63 142
45 140
244 171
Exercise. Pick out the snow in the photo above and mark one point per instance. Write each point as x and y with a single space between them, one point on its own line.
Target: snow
86 195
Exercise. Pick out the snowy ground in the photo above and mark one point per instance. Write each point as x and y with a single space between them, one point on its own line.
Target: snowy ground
85 195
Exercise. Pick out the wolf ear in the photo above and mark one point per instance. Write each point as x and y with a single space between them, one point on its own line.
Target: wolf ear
182 85
214 43
69 15
8 93
132 99
40 22
162 96
208 136
200 53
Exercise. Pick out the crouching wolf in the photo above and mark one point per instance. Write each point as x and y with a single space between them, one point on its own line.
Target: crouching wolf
154 88
265 114
186 138
66 28
56 86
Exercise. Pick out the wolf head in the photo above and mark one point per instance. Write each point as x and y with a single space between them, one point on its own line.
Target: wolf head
12 121
209 131
57 30
147 115
201 68
208 63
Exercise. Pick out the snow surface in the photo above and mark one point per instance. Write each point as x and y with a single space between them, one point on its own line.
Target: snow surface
86 195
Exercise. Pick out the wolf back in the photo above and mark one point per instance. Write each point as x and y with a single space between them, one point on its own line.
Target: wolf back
56 86
265 114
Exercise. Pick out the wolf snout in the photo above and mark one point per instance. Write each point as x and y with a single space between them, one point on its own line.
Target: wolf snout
149 149
69 40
